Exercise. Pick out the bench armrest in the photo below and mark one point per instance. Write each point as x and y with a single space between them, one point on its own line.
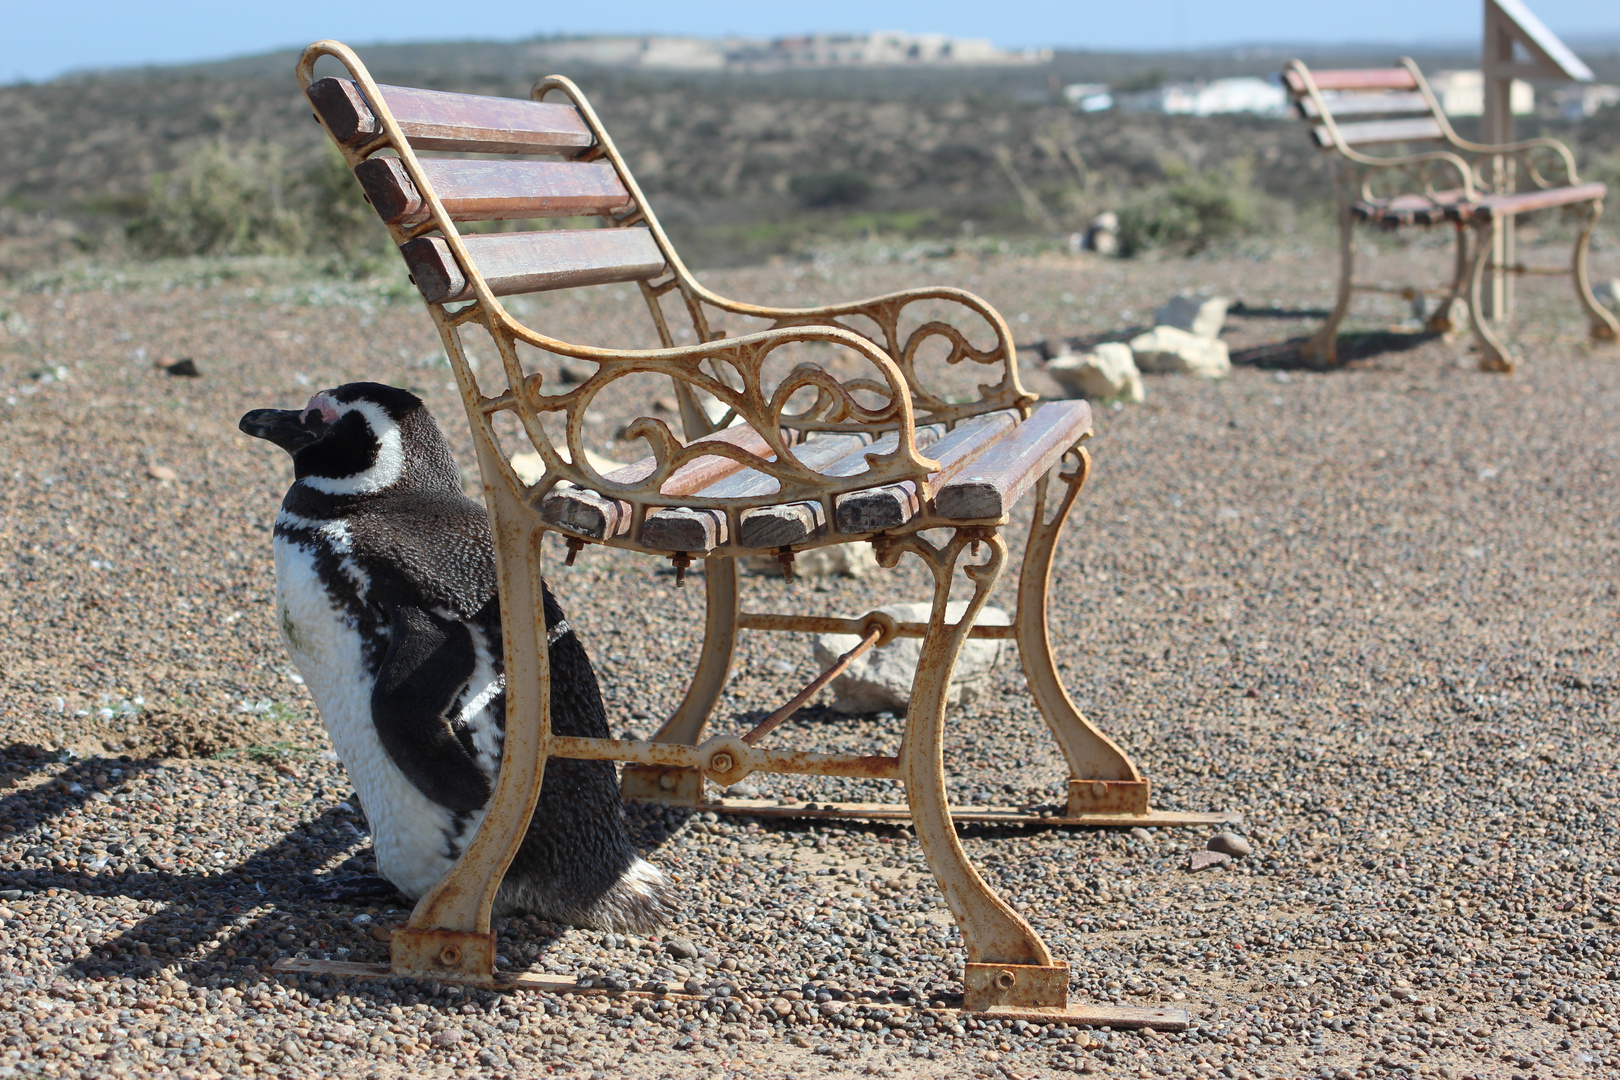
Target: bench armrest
1419 165
766 410
903 334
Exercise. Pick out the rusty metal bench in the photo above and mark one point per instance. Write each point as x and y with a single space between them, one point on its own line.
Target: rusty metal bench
763 467
1469 185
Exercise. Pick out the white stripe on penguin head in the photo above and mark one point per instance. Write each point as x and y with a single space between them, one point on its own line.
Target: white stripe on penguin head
390 463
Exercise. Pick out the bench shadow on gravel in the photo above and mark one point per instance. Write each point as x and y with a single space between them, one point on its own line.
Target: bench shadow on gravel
198 903
1353 347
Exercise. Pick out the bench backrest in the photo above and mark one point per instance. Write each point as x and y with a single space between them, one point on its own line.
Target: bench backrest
560 184
1355 109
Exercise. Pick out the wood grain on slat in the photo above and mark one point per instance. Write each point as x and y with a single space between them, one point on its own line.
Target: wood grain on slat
533 261
1489 207
597 516
999 478
1370 132
492 190
1354 79
433 120
892 505
1366 104
692 529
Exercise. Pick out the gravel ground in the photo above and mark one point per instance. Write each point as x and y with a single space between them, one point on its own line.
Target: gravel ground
1373 609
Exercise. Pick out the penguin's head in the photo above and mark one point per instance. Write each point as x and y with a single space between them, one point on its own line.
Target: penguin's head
358 439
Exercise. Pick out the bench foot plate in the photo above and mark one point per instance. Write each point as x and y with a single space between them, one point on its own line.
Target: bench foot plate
977 815
1114 1016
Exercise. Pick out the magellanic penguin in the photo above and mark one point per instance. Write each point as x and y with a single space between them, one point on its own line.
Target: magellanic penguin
386 598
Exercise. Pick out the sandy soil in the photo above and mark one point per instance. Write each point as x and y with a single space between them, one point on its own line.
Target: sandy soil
1373 609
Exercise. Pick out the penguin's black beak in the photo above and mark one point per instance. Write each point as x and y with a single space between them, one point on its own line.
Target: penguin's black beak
289 429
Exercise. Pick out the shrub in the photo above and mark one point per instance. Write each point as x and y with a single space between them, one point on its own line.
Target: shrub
1189 211
225 200
842 188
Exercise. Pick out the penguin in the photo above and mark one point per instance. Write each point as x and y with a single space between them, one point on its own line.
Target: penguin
386 600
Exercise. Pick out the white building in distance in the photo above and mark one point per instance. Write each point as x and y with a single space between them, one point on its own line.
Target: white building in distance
1238 95
1462 93
890 48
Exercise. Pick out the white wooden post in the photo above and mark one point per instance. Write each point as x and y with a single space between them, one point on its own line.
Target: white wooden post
1508 23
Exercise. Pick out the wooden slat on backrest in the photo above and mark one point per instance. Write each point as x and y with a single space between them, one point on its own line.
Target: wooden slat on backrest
434 120
492 190
1381 101
1372 132
1352 79
533 261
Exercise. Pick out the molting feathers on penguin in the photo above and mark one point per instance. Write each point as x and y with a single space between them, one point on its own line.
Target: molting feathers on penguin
386 598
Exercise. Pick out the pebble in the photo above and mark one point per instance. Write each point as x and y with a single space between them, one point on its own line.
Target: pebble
1230 843
1207 860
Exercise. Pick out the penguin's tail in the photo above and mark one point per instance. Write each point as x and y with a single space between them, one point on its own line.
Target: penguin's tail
640 902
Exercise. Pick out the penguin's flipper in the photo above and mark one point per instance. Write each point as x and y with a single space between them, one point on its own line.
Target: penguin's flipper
346 887
429 661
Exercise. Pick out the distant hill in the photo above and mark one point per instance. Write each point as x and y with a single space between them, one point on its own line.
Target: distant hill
724 156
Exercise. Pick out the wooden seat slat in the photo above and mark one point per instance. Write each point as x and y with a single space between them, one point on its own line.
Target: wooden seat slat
1489 207
1408 209
701 529
1373 132
1353 79
598 516
435 120
492 189
533 261
892 505
1365 104
1006 470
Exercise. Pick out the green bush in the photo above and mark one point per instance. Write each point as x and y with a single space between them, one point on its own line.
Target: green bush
820 190
226 200
1189 212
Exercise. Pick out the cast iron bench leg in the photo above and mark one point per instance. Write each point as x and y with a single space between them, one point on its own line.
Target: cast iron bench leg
1007 963
1604 325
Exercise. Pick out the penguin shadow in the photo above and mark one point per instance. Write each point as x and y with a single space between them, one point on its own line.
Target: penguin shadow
229 920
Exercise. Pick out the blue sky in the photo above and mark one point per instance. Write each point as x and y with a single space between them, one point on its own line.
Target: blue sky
42 39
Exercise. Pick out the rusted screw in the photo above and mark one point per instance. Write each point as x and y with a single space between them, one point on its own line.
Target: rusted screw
574 548
667 782
1005 980
785 557
450 955
722 762
680 560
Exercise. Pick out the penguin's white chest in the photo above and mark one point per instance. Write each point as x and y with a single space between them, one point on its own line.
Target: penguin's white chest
416 839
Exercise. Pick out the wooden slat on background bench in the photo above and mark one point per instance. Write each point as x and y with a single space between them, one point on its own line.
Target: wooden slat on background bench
699 529
598 516
492 189
434 120
1000 477
892 505
1369 132
1366 104
1488 207
1354 79
533 261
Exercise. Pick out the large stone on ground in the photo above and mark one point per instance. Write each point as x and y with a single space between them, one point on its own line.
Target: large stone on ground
1201 315
881 680
1179 352
1607 293
853 560
1107 371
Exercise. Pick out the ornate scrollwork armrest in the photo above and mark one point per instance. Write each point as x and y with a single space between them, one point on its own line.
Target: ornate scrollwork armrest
832 403
903 342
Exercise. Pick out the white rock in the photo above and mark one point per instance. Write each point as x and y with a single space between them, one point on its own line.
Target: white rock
530 467
881 680
1201 315
1107 371
1607 293
849 560
1167 349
